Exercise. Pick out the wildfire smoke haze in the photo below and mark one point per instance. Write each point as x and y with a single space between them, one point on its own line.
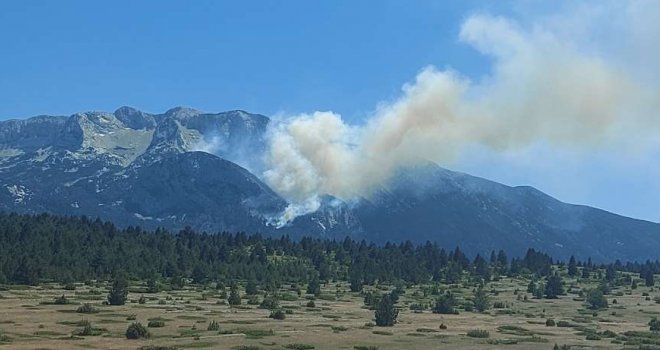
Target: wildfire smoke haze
544 87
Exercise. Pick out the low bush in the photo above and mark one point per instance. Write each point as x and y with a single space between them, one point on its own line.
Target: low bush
608 334
136 331
593 336
337 329
257 333
88 330
270 303
478 333
277 315
499 305
213 326
253 300
156 324
61 300
87 309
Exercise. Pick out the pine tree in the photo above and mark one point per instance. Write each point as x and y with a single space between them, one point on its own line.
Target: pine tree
234 295
610 274
553 287
531 287
386 313
314 286
481 268
647 275
26 273
572 267
481 300
177 282
654 325
445 304
502 258
355 278
453 273
596 299
199 274
119 292
152 286
251 287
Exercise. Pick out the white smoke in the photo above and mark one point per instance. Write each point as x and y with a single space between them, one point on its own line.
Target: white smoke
214 145
545 86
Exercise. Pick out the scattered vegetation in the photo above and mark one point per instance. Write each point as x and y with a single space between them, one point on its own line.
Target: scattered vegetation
184 273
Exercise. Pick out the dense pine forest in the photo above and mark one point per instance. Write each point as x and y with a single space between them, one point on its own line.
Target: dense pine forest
39 248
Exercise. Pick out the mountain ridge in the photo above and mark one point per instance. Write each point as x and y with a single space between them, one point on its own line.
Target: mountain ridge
186 167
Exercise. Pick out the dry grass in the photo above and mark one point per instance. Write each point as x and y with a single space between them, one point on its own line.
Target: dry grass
331 324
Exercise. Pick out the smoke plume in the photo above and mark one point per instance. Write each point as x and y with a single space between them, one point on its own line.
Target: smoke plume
547 84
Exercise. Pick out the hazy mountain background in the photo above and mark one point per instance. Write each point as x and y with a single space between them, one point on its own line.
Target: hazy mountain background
189 168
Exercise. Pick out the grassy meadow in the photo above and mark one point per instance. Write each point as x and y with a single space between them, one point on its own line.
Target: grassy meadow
197 317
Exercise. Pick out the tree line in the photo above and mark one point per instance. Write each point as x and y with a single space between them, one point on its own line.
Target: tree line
38 248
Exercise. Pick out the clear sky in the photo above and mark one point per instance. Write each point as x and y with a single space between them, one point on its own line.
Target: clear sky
287 57
61 57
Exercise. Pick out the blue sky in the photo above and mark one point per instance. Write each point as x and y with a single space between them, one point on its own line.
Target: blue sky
290 57
264 56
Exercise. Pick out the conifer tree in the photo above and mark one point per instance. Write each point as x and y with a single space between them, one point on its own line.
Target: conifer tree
251 287
572 267
386 314
445 304
119 292
553 287
152 285
314 286
596 299
234 295
481 300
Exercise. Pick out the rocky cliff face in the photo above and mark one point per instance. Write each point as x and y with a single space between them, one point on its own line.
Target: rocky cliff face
135 168
189 168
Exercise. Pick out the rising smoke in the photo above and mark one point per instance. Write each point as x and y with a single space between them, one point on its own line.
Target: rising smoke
550 82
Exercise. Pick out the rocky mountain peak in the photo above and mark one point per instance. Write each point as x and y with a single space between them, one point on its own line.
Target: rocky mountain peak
181 112
135 119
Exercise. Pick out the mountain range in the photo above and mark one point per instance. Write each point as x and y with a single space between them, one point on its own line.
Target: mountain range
189 168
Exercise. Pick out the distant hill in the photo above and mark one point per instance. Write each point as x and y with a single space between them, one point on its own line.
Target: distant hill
189 168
